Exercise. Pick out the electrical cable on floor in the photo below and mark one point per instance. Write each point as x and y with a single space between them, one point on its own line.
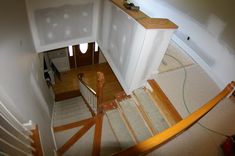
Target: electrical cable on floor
184 101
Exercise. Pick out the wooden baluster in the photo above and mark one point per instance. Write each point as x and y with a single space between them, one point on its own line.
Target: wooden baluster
100 86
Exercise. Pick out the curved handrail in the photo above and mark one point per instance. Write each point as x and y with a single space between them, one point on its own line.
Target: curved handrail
157 140
80 76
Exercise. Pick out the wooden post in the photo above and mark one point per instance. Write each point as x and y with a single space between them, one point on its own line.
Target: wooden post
80 76
233 84
100 86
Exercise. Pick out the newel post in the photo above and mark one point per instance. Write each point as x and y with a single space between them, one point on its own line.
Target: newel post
100 86
233 84
80 76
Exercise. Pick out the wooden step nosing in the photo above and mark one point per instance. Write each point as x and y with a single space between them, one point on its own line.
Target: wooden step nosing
161 99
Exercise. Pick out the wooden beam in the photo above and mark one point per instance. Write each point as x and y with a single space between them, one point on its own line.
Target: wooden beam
75 138
146 21
72 125
162 101
37 142
97 135
100 88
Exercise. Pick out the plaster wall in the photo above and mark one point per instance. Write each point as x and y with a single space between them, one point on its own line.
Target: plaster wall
210 26
22 87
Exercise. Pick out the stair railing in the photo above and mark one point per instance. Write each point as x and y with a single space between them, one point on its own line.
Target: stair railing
15 137
156 141
91 97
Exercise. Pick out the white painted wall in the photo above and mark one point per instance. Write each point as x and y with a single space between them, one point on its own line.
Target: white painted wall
132 51
101 57
22 87
56 24
210 25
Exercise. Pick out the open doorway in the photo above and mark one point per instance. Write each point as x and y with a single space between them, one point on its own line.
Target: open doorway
83 54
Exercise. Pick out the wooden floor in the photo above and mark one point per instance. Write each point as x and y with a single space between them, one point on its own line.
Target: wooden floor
69 82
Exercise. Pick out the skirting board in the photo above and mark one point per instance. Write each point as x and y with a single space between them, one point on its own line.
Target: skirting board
198 60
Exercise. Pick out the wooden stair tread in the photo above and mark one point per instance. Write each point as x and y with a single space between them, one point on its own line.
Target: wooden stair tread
119 128
151 110
164 103
135 119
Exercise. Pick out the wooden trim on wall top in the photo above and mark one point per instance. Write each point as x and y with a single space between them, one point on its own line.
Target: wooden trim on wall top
72 125
165 105
144 20
75 138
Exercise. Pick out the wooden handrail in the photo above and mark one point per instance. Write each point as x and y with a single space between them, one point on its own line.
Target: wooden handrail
80 77
157 140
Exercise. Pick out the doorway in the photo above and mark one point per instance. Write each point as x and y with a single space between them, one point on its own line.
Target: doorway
83 55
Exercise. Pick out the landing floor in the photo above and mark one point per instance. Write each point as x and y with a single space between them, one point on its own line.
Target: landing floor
69 81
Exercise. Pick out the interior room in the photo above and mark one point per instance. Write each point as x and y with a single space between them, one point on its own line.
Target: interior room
117 78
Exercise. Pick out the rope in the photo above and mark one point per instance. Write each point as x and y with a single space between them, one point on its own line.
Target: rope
184 101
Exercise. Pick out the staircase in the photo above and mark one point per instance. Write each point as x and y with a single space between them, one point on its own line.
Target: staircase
130 125
126 121
69 111
139 116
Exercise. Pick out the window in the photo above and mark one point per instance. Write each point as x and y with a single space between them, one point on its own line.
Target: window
96 47
70 50
83 47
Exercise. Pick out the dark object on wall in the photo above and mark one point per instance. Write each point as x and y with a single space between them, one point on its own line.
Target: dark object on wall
229 146
55 70
131 6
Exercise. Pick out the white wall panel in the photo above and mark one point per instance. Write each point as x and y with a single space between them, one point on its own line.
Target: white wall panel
56 24
132 51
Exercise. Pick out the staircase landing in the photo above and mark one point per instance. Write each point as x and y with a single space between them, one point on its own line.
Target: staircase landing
68 87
